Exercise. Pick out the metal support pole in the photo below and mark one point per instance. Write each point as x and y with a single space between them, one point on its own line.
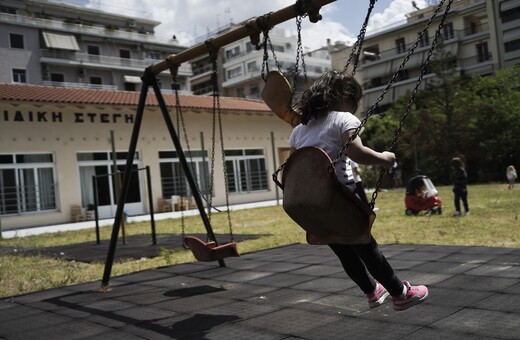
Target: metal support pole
147 79
96 202
204 173
150 203
275 167
123 228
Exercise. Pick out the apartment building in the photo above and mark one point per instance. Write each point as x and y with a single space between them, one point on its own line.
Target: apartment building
48 42
479 36
239 65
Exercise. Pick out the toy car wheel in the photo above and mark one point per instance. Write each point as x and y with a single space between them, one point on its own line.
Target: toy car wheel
437 211
409 212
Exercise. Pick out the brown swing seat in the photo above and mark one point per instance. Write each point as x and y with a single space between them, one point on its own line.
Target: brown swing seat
315 199
209 251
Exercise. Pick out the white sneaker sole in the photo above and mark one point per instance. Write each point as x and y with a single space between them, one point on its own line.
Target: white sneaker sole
380 301
409 304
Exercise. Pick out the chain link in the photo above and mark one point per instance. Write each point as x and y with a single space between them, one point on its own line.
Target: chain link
356 49
218 116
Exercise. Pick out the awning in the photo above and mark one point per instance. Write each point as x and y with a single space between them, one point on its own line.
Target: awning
507 5
132 79
512 34
60 41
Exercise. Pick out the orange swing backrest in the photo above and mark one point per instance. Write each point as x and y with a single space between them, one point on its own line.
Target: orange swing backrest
320 204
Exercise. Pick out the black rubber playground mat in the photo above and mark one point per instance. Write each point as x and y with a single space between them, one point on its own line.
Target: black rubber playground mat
136 247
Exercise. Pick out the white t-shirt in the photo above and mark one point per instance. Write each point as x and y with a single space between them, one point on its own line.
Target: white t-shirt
325 133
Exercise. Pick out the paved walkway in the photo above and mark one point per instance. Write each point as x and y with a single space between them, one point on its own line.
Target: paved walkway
293 292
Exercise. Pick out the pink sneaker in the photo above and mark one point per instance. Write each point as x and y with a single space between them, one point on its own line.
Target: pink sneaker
414 296
379 295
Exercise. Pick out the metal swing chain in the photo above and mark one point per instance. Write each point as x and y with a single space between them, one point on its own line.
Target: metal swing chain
217 115
299 49
213 135
356 49
264 23
180 122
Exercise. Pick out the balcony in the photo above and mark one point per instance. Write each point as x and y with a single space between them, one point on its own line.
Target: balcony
71 58
479 64
472 29
80 85
73 28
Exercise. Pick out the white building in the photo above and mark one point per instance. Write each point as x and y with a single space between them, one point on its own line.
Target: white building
55 140
481 35
240 65
57 44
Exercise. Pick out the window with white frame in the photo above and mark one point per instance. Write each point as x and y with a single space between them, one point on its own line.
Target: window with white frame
173 179
234 72
251 67
482 52
101 166
19 75
232 52
400 45
447 31
424 39
246 170
27 183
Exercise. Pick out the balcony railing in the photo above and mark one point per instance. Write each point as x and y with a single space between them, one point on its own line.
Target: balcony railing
104 61
82 29
457 35
475 60
80 85
475 29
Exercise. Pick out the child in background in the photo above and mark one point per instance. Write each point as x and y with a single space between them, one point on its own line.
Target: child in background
460 186
511 176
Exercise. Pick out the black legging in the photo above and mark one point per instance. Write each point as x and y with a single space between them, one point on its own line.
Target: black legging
461 195
357 259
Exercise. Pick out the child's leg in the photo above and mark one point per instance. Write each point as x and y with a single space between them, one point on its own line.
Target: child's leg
464 197
379 267
354 267
456 200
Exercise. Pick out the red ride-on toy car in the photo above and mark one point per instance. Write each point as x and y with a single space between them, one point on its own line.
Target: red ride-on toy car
421 195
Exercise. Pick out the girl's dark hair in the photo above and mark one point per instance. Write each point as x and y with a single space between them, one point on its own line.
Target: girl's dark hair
456 163
326 93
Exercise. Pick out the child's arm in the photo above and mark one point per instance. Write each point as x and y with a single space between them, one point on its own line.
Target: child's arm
365 155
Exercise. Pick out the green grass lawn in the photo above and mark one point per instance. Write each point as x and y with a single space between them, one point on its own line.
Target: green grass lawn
493 222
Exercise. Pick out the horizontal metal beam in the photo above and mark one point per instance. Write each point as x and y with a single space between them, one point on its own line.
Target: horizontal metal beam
250 28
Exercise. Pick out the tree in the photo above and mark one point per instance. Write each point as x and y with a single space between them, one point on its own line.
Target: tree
477 118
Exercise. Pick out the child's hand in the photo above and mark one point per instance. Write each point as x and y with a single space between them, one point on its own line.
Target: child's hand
388 159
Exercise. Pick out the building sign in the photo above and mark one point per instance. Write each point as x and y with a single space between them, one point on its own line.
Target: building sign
59 117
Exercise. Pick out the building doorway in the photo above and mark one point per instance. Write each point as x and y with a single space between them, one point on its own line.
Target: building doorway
100 165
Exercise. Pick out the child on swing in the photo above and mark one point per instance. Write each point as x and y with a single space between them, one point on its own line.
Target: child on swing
327 122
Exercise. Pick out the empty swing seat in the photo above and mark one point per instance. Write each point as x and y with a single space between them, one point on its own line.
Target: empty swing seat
315 199
209 251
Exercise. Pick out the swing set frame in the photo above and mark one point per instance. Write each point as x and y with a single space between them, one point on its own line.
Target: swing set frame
252 28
